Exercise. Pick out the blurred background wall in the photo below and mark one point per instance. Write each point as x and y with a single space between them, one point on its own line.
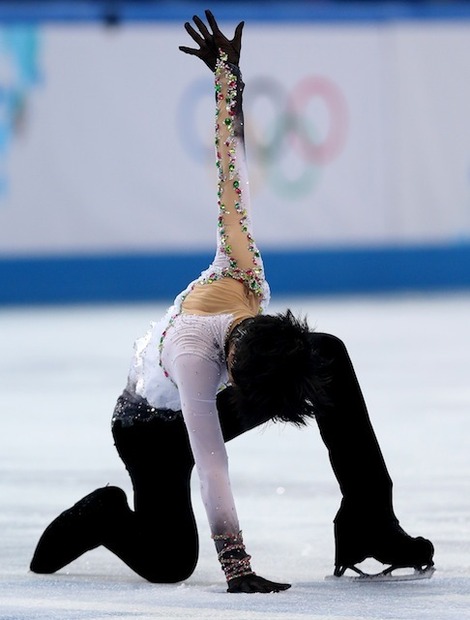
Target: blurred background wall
358 136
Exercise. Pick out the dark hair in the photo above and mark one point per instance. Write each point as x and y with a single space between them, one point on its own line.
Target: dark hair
277 374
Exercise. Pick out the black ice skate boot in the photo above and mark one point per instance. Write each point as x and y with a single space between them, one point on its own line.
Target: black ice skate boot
78 529
381 538
365 526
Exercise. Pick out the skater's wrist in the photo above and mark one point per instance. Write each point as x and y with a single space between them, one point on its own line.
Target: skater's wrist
232 555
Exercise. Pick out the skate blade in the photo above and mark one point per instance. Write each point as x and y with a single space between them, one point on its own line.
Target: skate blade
385 576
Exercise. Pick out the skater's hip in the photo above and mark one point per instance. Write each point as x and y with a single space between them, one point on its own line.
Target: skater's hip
132 409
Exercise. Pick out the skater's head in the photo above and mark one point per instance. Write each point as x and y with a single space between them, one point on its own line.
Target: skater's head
275 371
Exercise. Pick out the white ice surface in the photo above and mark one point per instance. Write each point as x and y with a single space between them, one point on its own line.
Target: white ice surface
60 372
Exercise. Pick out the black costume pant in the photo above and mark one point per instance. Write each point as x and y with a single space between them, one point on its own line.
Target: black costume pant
159 541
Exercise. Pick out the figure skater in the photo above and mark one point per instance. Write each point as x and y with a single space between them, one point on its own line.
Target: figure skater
213 368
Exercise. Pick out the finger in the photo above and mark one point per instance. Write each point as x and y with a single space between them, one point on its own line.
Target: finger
212 23
282 586
238 32
202 27
272 586
189 50
267 587
194 34
279 586
260 584
264 586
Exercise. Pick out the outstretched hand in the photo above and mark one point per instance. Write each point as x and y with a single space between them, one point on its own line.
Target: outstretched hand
210 43
253 583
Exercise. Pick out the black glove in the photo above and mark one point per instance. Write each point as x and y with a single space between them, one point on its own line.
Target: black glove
235 563
254 583
211 43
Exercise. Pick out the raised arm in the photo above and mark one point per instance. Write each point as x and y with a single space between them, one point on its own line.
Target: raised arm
237 254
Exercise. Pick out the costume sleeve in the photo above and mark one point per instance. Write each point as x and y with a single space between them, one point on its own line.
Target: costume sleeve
197 379
235 239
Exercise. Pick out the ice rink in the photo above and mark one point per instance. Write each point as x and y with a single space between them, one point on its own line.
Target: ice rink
61 370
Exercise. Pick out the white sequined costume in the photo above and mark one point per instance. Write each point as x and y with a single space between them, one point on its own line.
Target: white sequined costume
180 363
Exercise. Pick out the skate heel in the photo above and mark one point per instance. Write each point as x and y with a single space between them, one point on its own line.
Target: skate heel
350 546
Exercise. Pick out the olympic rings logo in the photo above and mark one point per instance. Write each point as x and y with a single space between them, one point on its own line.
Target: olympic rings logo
291 135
